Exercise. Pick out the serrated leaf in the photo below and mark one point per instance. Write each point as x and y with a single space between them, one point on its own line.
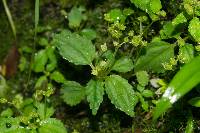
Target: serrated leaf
156 54
123 64
52 125
11 125
89 33
75 16
40 60
121 94
179 19
182 83
142 78
194 29
74 48
186 52
57 76
95 92
44 111
72 92
149 6
195 101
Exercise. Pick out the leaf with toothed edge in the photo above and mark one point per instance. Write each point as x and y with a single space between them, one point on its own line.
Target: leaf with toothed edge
74 48
95 92
121 94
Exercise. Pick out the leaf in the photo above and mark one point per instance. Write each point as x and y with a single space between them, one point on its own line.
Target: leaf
74 48
75 17
41 82
182 83
186 52
95 92
156 54
7 112
52 125
195 101
147 93
89 34
72 92
52 63
179 19
128 11
152 7
58 77
194 29
144 103
155 6
115 15
40 60
123 64
170 31
121 94
44 111
142 78
11 125
190 125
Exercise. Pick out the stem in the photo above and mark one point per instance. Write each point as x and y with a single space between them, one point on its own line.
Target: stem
9 18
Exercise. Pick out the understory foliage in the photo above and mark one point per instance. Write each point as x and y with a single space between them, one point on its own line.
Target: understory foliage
138 58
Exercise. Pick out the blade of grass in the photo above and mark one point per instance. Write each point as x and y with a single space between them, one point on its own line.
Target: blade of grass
9 18
37 12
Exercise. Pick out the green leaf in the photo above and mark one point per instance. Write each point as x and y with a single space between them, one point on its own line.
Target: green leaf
195 101
170 31
74 48
142 78
44 111
182 83
156 54
155 6
52 125
194 29
7 112
52 63
147 93
190 125
123 64
152 7
186 53
41 82
121 94
58 77
115 15
89 33
144 103
95 92
128 11
75 16
179 19
40 60
11 125
72 93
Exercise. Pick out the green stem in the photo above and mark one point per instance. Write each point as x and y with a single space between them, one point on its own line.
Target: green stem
9 18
